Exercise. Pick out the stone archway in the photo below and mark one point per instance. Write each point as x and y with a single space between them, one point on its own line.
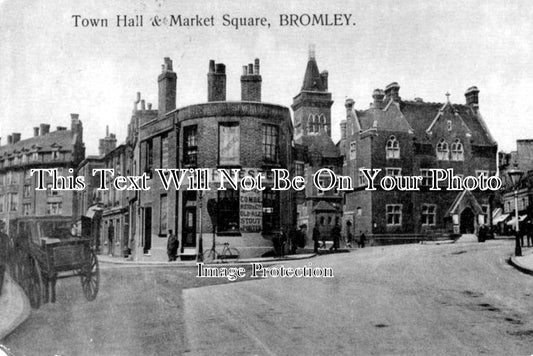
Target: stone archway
467 221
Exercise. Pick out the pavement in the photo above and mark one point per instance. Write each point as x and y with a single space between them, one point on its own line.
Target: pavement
192 263
14 306
523 263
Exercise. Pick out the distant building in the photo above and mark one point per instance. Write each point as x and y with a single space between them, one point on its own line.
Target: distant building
62 149
521 159
408 138
315 150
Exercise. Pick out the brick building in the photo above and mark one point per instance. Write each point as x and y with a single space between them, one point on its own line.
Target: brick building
247 135
409 138
62 149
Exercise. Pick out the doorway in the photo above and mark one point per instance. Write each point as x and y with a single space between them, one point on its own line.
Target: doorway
467 221
147 229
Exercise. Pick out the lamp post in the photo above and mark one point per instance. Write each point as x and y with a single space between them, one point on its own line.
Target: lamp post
515 175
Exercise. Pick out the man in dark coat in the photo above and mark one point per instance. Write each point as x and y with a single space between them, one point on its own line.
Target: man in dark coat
336 237
362 239
172 246
316 238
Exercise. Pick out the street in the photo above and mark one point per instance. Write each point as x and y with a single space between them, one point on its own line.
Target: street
453 299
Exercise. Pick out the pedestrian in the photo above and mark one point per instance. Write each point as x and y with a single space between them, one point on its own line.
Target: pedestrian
349 236
482 234
110 238
316 238
362 239
172 246
299 238
335 236
529 234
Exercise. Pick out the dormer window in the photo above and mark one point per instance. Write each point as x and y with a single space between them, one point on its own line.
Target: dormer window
442 150
457 151
392 149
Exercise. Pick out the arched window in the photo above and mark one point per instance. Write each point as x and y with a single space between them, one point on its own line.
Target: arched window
392 149
457 151
442 150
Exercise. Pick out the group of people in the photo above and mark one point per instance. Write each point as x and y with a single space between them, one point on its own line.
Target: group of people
319 239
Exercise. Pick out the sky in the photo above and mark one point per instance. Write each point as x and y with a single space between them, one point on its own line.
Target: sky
49 68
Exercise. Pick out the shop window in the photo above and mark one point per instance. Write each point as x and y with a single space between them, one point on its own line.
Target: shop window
271 214
228 211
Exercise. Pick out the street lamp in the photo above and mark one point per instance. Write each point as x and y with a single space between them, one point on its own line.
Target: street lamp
515 175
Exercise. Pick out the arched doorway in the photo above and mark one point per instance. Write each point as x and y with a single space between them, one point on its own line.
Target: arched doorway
467 221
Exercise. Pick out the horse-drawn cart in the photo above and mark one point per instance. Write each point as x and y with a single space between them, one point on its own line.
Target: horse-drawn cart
49 250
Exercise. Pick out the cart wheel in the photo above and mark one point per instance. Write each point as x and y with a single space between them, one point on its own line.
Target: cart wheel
32 282
90 278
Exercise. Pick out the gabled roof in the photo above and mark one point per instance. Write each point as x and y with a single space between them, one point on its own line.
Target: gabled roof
63 140
466 199
324 206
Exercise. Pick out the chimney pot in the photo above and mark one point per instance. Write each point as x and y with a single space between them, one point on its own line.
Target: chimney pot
45 129
378 96
149 106
167 89
35 131
9 139
216 82
392 91
220 68
251 82
472 96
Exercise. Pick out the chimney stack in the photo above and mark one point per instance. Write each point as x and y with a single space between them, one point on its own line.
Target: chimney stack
472 98
9 139
343 130
35 131
216 82
16 137
251 82
45 129
167 88
378 96
392 91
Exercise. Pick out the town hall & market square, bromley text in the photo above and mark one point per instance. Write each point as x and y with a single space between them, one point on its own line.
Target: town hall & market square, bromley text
248 179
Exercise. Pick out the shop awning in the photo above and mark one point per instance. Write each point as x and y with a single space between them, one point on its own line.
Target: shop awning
500 218
91 212
513 220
